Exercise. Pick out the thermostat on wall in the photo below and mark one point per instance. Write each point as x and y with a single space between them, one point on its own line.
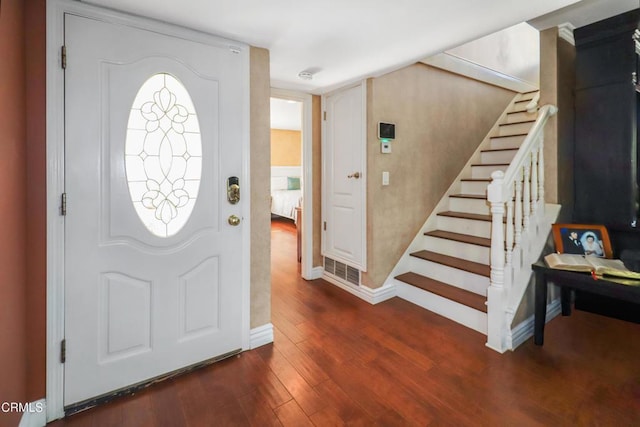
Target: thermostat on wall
386 131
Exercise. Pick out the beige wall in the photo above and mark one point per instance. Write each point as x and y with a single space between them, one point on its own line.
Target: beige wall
286 147
440 118
260 181
13 343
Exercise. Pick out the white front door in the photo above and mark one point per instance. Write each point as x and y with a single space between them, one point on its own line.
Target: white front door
344 177
153 268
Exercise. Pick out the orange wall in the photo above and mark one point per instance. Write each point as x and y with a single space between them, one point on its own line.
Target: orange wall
286 147
13 369
35 57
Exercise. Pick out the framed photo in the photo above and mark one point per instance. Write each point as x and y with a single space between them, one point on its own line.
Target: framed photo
583 239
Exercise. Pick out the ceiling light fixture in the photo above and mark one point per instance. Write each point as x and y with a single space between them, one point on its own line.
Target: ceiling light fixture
305 75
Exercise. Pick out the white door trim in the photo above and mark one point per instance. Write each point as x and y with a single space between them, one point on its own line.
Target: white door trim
56 10
307 176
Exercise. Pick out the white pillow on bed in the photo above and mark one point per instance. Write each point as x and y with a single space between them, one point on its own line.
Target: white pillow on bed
278 183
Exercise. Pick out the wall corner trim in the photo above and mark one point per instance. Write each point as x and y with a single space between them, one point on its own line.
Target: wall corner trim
316 273
261 335
524 330
565 32
35 415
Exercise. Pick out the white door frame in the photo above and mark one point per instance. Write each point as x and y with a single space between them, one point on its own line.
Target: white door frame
307 177
56 169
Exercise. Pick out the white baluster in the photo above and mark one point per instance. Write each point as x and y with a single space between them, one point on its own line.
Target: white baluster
510 227
534 183
526 196
518 214
541 199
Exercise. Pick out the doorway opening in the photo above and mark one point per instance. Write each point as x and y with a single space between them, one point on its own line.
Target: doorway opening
287 182
291 175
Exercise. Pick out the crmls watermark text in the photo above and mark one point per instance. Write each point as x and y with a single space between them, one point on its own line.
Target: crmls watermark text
32 407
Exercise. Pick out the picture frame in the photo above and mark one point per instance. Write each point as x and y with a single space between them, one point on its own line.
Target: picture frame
583 239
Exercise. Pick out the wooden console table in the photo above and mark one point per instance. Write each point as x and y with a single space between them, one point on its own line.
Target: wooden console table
569 281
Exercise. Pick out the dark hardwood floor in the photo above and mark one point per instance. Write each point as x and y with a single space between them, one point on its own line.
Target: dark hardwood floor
337 360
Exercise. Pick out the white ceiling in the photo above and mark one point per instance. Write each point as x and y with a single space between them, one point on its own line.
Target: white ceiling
342 41
286 114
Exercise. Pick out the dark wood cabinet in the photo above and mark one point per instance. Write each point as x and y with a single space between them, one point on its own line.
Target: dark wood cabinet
606 122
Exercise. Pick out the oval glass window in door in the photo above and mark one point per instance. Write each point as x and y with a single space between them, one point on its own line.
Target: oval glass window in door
163 155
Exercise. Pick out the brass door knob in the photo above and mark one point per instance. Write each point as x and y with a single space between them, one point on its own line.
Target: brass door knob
354 175
234 220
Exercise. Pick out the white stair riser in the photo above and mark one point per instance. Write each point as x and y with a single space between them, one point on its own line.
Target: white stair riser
483 172
502 156
519 107
465 226
469 252
476 206
527 96
462 279
514 129
510 142
474 187
459 313
521 116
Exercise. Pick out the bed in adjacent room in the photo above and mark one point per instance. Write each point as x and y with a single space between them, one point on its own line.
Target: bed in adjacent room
286 193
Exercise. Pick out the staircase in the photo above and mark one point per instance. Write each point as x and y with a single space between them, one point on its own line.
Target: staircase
447 268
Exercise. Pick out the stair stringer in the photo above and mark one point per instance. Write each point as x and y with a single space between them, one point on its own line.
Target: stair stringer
404 263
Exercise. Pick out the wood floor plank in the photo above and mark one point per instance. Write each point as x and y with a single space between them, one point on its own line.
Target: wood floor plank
338 360
290 414
259 411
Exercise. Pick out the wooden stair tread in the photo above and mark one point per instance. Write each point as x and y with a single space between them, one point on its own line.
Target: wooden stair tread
508 136
469 196
490 164
517 123
453 293
495 150
460 264
458 237
476 179
465 215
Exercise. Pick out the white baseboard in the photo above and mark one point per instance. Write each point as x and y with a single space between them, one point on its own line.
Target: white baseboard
35 415
524 330
316 273
372 296
261 335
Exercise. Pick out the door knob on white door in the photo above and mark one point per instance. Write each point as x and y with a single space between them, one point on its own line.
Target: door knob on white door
354 175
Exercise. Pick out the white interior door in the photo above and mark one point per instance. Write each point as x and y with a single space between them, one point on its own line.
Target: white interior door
153 129
344 177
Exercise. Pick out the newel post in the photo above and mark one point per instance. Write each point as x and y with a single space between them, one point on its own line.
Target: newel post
496 296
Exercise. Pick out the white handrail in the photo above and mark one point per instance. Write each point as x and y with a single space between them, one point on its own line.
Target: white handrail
522 185
527 145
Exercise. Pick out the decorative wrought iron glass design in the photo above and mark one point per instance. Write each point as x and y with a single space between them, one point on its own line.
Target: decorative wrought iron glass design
163 155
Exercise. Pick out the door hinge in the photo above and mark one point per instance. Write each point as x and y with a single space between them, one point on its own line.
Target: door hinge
63 204
63 351
63 57
325 115
324 226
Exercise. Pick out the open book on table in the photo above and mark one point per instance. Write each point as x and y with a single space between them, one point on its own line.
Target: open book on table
601 266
